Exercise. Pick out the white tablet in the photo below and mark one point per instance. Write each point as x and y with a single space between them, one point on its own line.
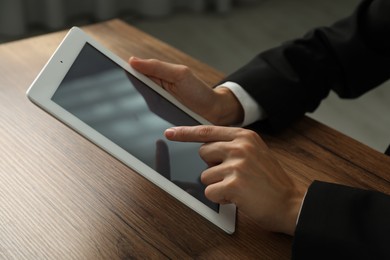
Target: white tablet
100 96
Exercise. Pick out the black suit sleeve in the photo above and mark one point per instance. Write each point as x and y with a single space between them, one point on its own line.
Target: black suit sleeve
338 222
350 57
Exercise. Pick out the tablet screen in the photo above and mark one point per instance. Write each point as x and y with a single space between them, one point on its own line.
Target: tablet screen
122 108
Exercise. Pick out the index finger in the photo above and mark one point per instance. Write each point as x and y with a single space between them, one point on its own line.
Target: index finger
201 133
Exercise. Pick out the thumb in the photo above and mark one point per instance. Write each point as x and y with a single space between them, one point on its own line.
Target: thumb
157 69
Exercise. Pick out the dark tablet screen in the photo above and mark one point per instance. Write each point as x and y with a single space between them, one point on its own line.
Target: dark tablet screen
133 116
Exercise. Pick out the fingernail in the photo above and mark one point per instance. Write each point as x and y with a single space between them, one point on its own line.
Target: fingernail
169 133
134 58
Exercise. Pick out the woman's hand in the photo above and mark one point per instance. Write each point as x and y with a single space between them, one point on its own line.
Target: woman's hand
219 106
243 171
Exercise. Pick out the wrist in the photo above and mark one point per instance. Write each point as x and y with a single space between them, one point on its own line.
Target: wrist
228 109
294 203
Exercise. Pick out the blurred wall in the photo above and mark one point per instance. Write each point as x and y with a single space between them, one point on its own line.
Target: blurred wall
16 16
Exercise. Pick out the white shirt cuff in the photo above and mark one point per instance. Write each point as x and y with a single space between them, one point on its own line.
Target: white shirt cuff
252 110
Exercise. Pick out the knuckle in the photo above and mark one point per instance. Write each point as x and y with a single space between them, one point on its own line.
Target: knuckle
241 149
205 131
183 69
249 134
233 184
235 168
180 132
183 72
154 64
237 150
250 140
154 61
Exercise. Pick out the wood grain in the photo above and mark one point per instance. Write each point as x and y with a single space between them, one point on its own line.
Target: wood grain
62 197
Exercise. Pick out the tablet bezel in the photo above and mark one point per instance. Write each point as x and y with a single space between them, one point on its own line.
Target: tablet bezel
48 80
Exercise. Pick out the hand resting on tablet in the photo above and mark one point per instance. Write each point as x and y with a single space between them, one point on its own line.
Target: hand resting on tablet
218 106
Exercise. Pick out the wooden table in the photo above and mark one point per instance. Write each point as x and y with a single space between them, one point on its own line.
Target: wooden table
61 197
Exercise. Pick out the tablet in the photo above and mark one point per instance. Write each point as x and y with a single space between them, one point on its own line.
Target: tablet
100 96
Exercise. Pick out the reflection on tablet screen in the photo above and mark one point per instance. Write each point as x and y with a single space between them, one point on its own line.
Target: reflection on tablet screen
133 116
